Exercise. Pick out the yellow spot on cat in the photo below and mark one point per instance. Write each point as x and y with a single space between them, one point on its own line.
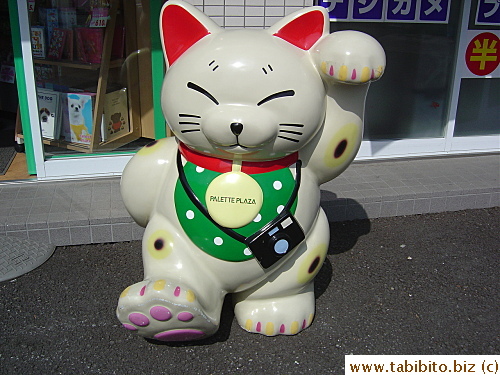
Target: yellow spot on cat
323 67
294 328
125 292
269 329
343 71
159 285
311 264
342 147
190 296
160 244
365 74
248 325
310 320
379 71
150 148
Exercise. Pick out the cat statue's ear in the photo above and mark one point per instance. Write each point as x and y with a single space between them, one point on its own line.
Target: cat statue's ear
303 28
181 26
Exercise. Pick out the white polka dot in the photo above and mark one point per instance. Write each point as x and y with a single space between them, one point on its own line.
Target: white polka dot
218 241
280 208
257 218
247 252
199 169
190 214
277 185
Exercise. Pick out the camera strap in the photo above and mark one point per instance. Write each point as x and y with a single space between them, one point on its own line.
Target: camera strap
233 234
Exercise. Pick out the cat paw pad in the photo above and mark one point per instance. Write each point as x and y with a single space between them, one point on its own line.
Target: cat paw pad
272 329
164 311
286 315
351 75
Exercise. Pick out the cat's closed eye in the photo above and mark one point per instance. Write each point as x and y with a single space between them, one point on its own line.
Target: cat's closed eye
276 95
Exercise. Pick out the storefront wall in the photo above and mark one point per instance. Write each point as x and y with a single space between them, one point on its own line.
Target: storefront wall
475 107
94 65
429 102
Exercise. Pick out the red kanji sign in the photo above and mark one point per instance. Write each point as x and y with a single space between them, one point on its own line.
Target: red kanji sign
483 54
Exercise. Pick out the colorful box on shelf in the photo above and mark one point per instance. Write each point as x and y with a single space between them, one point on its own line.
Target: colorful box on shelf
78 117
49 111
38 47
115 121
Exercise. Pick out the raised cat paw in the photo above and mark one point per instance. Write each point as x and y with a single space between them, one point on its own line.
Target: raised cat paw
350 57
279 316
164 311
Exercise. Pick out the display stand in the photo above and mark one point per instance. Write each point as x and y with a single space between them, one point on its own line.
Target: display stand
123 68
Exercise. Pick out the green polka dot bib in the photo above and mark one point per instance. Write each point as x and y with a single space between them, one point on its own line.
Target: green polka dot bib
277 187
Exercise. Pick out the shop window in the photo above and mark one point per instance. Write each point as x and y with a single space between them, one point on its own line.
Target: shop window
411 100
87 56
478 107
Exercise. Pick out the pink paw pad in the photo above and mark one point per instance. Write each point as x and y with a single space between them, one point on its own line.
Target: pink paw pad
129 327
160 313
139 319
185 316
180 335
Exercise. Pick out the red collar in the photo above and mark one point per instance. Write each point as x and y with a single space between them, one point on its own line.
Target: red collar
225 165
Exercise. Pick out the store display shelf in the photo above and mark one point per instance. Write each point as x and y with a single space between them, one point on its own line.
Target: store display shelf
77 65
89 148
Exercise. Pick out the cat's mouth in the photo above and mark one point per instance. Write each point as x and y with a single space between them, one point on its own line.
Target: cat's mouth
238 148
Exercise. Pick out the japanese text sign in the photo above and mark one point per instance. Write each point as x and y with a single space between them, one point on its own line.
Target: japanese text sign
488 12
482 55
417 11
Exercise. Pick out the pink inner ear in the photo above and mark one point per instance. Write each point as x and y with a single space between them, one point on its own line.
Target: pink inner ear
304 30
180 31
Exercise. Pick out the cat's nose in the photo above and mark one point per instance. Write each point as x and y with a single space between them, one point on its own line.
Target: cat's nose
236 128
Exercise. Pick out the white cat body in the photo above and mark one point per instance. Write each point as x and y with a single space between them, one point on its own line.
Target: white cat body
255 114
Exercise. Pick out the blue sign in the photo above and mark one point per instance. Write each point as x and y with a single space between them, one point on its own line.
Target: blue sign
417 11
434 10
337 9
371 10
488 12
401 10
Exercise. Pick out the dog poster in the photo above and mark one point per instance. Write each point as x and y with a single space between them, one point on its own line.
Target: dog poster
49 113
78 127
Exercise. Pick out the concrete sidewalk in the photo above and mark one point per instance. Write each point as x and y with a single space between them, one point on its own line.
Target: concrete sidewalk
423 284
91 211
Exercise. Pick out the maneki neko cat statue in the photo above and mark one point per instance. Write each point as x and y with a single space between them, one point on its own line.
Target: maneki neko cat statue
230 204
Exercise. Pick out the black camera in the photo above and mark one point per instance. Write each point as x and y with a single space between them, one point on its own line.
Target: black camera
276 239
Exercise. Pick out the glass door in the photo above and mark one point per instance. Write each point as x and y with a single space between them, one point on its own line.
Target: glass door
429 102
474 117
85 106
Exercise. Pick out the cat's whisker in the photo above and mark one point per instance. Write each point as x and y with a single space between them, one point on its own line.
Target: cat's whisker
293 125
188 115
291 132
189 123
190 130
288 139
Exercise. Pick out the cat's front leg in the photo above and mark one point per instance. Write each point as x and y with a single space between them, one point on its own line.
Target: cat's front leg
144 176
349 57
345 60
178 299
284 303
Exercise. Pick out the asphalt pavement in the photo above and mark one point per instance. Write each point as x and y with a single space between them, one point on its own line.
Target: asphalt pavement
423 284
